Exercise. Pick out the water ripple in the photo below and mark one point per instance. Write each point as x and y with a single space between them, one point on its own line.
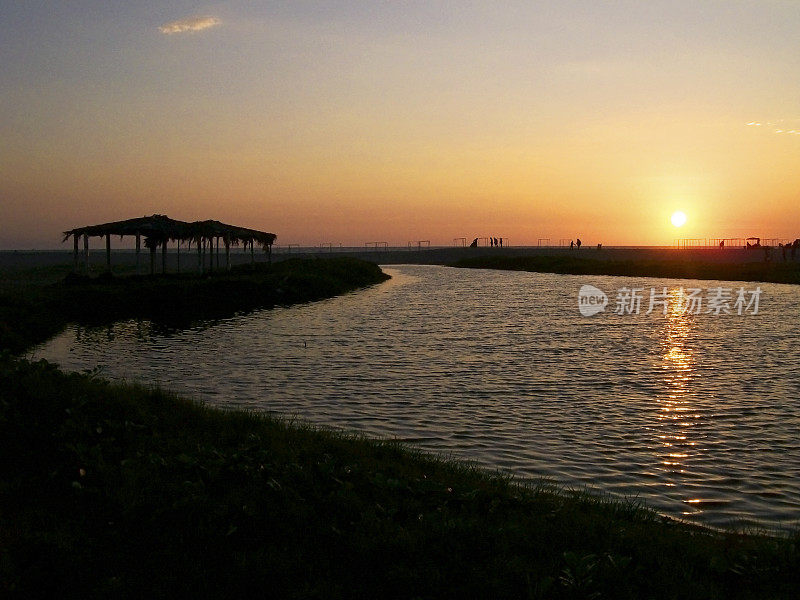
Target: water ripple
696 415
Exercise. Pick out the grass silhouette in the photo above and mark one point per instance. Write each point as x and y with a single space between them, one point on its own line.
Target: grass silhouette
111 490
773 272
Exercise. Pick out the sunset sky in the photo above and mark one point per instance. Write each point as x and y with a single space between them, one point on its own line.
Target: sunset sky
351 122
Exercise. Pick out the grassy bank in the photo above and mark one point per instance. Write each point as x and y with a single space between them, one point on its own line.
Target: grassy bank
774 272
112 490
120 491
37 307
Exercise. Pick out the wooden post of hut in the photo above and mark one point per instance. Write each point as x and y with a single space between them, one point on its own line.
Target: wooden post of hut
217 252
86 251
178 258
164 256
252 253
76 262
227 253
199 256
108 252
269 254
138 250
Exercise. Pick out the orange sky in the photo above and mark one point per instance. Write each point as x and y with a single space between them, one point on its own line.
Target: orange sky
352 122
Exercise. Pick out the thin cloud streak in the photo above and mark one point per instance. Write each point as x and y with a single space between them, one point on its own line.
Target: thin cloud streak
781 126
189 25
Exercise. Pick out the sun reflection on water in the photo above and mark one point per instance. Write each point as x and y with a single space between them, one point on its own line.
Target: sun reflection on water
695 415
677 415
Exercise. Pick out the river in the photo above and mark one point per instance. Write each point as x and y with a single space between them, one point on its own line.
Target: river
696 414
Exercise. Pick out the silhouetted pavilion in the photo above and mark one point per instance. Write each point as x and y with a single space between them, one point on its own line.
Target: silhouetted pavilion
157 230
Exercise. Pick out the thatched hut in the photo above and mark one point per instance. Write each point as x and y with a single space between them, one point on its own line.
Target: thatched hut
157 230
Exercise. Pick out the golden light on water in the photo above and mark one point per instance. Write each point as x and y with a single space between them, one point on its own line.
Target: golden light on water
677 416
675 410
680 441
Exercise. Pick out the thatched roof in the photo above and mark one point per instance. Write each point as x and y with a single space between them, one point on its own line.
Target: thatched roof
160 228
208 229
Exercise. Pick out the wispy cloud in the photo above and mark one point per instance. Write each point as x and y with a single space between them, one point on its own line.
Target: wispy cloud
781 126
188 25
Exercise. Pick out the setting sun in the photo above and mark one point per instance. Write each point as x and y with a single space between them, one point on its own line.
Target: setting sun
678 218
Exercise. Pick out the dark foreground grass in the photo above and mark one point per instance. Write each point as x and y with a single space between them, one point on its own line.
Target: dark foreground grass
120 491
36 309
774 272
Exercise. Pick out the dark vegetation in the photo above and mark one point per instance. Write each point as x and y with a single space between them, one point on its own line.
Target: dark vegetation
36 308
774 272
123 491
118 491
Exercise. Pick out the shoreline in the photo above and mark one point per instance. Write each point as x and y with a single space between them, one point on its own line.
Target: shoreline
22 259
42 301
765 272
113 489
116 488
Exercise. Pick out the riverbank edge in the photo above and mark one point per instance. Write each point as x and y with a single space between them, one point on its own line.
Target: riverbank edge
766 272
111 489
37 311
114 489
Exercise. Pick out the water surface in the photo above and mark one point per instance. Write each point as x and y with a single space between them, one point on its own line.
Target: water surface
697 415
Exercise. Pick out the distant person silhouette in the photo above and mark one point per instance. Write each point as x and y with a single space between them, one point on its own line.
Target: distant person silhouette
501 242
474 243
495 242
578 243
599 246
571 244
491 242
